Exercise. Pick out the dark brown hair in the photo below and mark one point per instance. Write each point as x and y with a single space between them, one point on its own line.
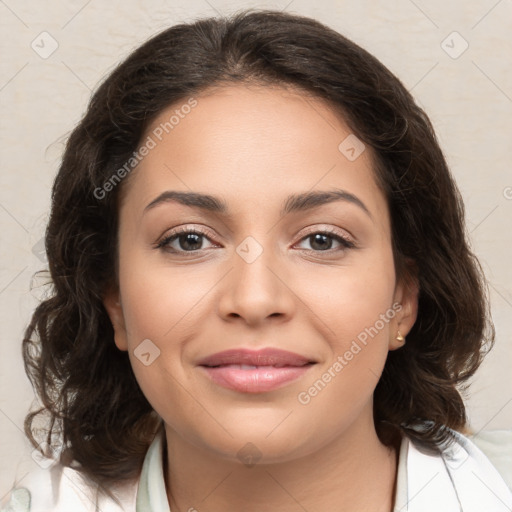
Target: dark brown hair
87 388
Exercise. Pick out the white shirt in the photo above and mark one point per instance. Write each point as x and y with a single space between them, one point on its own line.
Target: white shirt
461 479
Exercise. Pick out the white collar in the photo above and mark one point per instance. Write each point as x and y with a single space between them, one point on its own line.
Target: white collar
461 479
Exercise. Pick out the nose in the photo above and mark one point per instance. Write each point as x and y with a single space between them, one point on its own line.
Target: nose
256 290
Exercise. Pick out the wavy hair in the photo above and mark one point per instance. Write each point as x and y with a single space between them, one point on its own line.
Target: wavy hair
89 398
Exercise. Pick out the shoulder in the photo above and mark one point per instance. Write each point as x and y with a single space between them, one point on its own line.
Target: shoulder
497 447
60 489
458 474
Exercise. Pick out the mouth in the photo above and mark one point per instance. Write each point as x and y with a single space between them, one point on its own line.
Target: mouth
248 371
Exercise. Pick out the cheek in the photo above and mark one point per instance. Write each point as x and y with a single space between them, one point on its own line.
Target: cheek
349 300
355 312
160 304
352 323
159 301
165 305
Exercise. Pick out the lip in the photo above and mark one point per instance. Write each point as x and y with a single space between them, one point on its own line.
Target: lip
264 357
271 369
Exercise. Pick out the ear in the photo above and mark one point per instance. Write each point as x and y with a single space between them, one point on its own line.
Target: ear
112 303
406 294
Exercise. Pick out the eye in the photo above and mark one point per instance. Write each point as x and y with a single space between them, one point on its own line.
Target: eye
188 240
184 240
322 241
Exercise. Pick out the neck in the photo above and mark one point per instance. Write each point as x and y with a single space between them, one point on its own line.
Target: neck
354 471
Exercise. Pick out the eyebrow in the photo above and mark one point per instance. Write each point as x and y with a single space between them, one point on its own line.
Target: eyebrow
294 203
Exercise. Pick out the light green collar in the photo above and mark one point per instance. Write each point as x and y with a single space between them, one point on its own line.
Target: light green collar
151 493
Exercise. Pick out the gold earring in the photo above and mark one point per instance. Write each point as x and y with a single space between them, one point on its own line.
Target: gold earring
400 338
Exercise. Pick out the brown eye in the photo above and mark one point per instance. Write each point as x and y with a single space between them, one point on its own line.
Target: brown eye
323 241
187 240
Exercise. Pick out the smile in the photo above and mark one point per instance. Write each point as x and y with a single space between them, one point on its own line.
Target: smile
249 371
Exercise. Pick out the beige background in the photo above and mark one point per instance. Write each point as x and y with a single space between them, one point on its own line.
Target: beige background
468 96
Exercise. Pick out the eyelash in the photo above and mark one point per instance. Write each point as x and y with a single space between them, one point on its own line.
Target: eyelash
164 243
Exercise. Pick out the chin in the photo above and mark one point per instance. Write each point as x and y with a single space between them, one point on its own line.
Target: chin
262 443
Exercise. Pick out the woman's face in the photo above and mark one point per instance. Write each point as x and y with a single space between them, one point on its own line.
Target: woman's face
271 269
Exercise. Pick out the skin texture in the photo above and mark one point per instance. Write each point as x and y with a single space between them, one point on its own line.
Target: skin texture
253 146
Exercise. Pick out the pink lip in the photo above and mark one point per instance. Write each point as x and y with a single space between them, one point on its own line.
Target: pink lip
275 368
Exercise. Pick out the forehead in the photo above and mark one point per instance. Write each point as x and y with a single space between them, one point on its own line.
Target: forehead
245 142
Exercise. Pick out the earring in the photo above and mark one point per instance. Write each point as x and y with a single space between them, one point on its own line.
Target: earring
400 338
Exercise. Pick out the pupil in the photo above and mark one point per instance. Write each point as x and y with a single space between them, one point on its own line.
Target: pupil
319 237
189 239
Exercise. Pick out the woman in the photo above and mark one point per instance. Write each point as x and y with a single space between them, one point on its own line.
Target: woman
263 296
